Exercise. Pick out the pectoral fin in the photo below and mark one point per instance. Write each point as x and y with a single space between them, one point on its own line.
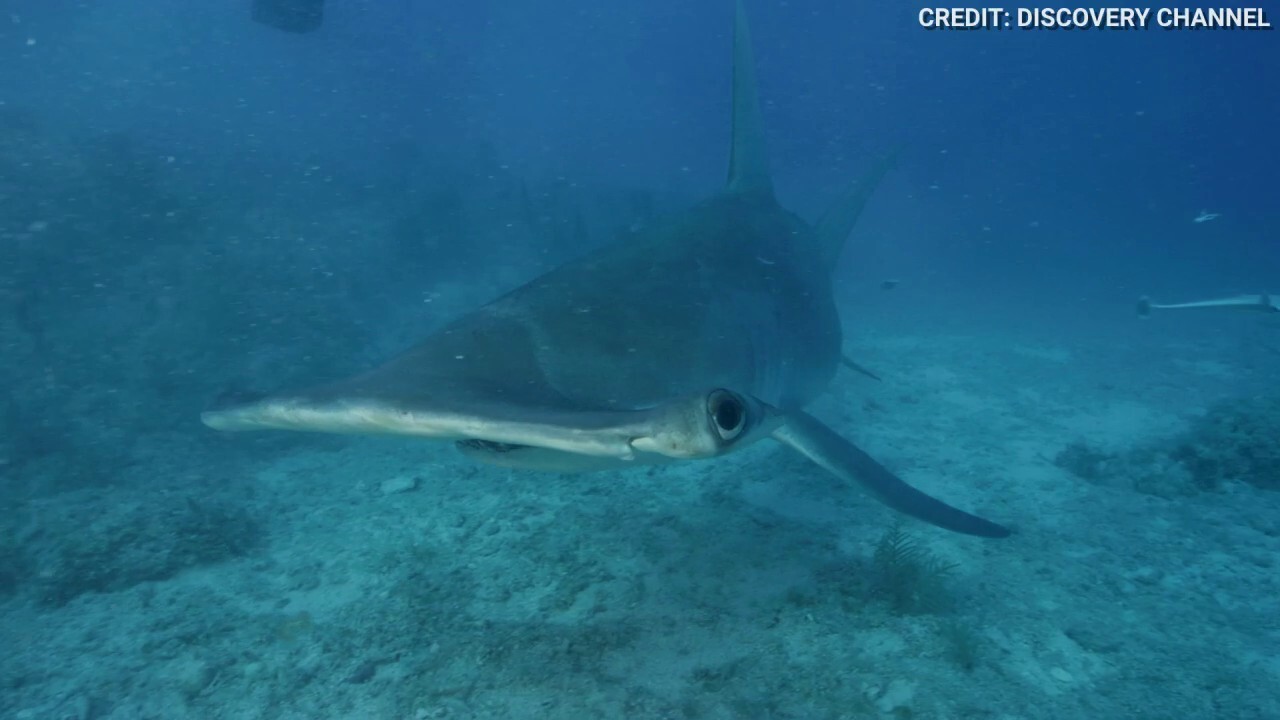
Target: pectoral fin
858 368
823 446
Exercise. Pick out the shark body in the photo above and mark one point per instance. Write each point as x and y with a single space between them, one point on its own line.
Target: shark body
699 337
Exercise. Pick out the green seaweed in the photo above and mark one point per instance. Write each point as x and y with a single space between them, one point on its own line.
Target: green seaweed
909 577
961 644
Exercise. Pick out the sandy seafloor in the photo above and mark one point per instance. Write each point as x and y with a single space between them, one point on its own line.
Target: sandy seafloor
736 588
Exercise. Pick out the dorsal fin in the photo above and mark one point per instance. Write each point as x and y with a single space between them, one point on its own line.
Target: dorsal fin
748 159
835 226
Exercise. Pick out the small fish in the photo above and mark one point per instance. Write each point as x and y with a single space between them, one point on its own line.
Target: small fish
1205 216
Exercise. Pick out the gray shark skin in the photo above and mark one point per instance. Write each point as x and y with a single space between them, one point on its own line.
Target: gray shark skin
697 338
1262 302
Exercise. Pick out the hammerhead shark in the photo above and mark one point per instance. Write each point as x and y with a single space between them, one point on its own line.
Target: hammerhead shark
689 340
1262 302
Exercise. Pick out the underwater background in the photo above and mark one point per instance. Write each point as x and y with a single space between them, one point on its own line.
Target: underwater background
194 205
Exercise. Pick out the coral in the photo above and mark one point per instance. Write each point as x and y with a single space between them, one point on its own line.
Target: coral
1084 461
1234 441
1237 440
113 544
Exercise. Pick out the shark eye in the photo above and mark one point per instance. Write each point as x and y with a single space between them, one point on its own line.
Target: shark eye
728 414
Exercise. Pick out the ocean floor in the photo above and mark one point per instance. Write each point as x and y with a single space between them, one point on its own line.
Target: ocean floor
371 578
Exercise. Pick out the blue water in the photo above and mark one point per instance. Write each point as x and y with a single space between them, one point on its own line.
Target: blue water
193 205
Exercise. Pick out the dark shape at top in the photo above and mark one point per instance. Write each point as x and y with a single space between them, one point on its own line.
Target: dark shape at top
295 16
